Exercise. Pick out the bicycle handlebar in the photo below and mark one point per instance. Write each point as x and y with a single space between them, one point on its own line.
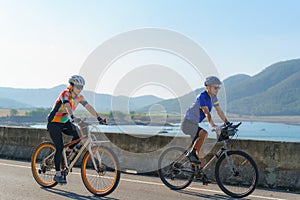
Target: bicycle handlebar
83 122
232 126
237 125
225 127
228 130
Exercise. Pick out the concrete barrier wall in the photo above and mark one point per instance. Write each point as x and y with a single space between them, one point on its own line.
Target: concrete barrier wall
278 162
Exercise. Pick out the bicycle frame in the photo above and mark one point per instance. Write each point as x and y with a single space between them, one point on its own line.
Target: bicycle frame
91 141
234 168
100 167
223 149
220 152
198 170
217 155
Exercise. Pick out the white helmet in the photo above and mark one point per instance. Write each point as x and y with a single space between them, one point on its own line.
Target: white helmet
212 80
77 80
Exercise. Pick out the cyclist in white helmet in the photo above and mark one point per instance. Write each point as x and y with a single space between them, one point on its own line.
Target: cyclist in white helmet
61 117
196 113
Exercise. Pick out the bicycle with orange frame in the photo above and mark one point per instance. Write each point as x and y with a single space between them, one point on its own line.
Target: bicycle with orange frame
100 168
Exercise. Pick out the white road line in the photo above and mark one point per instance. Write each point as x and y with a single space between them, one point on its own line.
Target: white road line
12 165
215 191
153 183
144 182
260 197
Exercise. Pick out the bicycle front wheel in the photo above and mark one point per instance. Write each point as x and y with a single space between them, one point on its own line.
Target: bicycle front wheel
42 164
105 178
236 174
175 169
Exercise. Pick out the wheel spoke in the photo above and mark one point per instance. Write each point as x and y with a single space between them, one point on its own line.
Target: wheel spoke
103 180
237 175
42 164
175 170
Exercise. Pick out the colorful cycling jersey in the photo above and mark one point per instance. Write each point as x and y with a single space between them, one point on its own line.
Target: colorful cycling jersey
195 113
59 112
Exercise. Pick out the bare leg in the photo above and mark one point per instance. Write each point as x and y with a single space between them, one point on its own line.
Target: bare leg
198 145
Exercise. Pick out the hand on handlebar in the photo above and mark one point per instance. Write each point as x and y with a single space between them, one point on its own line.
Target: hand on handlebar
102 121
225 131
216 129
76 120
227 124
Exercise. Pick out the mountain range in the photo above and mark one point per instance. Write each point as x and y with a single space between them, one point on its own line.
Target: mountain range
273 91
32 98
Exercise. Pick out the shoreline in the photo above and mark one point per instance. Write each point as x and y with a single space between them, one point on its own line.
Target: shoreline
290 120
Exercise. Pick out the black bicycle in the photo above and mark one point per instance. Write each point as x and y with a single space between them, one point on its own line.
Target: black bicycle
236 172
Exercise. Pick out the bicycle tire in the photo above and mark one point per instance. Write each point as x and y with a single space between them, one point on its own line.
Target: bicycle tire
43 170
105 179
175 169
240 179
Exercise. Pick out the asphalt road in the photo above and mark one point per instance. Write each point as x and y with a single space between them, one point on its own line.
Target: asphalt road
17 183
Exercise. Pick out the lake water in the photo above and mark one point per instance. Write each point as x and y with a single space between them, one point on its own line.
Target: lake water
248 130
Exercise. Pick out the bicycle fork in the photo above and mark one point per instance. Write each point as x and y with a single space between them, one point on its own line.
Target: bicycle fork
95 156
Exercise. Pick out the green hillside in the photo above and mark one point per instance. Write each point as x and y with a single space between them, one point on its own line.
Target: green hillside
264 80
282 98
235 80
274 91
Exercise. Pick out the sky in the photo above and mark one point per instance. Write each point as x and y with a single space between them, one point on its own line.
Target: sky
42 43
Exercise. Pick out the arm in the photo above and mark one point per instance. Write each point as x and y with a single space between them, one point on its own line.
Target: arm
95 114
208 115
91 110
64 97
221 114
69 109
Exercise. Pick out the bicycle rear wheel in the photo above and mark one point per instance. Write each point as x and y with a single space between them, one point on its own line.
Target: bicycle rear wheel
103 180
175 169
237 174
42 164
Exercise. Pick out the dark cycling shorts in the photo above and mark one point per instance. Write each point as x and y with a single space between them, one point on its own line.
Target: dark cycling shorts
56 129
190 128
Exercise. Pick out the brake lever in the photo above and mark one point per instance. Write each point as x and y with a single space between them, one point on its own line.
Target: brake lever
237 125
227 126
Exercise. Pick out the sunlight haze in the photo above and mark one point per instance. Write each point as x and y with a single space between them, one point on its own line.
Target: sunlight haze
42 43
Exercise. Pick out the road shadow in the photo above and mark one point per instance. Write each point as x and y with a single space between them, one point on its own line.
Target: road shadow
207 196
72 195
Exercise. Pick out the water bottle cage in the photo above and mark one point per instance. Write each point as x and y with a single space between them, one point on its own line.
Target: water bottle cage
75 151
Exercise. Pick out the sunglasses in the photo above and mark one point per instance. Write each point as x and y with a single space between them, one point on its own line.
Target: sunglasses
79 87
216 87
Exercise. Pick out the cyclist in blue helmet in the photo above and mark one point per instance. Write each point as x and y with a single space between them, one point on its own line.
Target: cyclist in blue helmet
196 113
